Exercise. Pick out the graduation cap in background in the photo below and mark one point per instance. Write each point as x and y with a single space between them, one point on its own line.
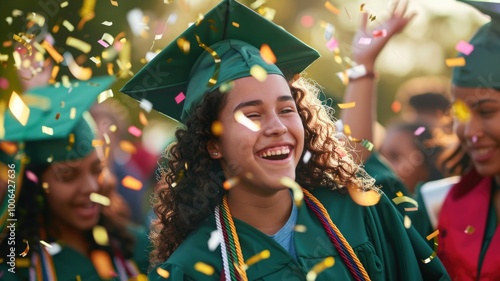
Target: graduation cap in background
482 65
221 47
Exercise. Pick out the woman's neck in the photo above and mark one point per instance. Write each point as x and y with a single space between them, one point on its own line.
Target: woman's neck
266 213
73 238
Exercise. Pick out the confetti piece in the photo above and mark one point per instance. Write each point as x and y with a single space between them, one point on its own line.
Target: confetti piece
354 72
131 183
134 131
307 157
107 23
146 105
362 7
434 252
300 228
364 41
347 105
379 33
367 144
474 139
47 245
243 120
298 195
104 95
81 73
78 44
24 43
419 131
114 3
464 47
58 58
412 209
329 31
143 119
329 6
68 26
454 62
212 81
469 229
103 264
204 268
64 4
226 87
100 235
403 199
372 17
407 222
256 258
99 199
230 183
267 54
47 130
319 267
460 111
128 146
72 113
213 241
347 130
307 21
258 72
216 128
26 250
162 272
332 44
235 24
363 197
396 106
19 109
184 45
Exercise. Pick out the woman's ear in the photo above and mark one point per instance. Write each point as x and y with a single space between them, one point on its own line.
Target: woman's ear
213 149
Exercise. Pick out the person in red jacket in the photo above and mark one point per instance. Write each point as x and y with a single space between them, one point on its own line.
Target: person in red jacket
468 222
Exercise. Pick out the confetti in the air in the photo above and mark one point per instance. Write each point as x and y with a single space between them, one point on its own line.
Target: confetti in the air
469 229
267 54
363 197
107 23
213 241
379 33
407 222
307 156
47 130
134 131
230 183
329 6
256 258
347 105
464 47
243 120
298 195
434 253
217 128
319 267
163 273
460 111
100 235
146 105
300 228
104 95
258 72
99 199
131 183
204 268
26 250
455 62
364 40
180 97
19 109
419 131
332 44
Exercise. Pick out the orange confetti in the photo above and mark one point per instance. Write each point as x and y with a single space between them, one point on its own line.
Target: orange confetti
58 58
363 197
217 128
103 264
396 106
329 6
128 147
184 45
132 183
267 54
204 268
235 24
228 184
163 273
454 62
143 119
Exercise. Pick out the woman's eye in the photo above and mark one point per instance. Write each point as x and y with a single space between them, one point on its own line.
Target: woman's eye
66 176
252 115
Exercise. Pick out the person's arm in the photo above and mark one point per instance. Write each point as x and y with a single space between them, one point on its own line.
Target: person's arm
363 91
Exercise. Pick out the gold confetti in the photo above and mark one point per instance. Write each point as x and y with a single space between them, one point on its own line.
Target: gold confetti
204 268
184 45
112 128
407 222
300 228
469 229
100 235
217 61
347 105
99 199
298 195
114 3
72 113
131 183
217 128
235 24
26 250
319 267
78 44
245 121
434 252
58 58
64 4
128 147
47 245
454 62
104 95
362 7
460 110
24 43
402 199
230 183
226 87
258 72
256 258
47 130
19 109
81 73
267 54
347 130
143 119
69 27
103 264
329 6
163 273
363 197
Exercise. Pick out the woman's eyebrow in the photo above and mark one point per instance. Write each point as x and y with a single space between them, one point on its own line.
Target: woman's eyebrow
248 103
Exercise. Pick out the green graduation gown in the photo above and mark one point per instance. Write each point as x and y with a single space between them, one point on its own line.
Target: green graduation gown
69 263
387 250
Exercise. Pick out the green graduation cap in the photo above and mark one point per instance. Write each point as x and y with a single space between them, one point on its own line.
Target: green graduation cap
54 128
221 47
482 65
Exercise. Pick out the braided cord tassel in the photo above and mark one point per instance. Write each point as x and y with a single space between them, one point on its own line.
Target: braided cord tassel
238 263
345 250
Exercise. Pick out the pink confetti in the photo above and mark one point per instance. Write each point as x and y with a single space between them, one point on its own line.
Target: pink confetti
307 21
474 139
332 44
134 131
4 83
31 176
419 131
180 97
103 43
379 33
364 41
464 47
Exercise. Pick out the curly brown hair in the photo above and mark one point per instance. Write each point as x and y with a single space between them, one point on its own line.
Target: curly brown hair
191 186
